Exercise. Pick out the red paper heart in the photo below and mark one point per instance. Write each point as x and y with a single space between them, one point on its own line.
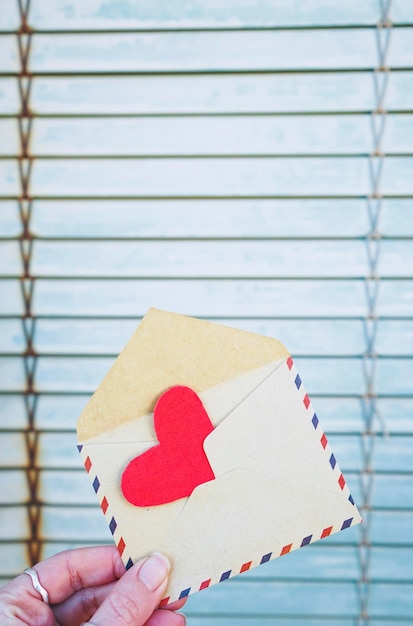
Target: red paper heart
172 469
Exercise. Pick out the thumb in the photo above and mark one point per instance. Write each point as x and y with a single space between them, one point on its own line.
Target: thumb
136 595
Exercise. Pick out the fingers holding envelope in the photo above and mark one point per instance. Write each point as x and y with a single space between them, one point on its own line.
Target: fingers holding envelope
92 584
135 598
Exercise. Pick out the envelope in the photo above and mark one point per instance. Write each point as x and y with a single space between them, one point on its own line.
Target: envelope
202 443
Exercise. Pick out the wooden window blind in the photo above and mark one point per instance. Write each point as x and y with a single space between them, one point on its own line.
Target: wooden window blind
245 162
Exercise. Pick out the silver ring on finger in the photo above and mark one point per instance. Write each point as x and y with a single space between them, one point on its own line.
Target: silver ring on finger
30 571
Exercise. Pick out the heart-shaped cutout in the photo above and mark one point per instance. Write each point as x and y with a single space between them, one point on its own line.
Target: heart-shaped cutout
172 469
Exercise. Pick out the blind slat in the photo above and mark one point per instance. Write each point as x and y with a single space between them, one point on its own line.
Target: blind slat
209 218
316 176
62 15
249 93
9 57
9 177
13 490
216 259
221 219
269 135
210 94
9 96
338 135
205 298
203 51
398 596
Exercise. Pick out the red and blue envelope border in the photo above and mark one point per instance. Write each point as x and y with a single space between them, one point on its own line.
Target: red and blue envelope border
305 541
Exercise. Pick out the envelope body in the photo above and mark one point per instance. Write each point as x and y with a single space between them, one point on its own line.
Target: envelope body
277 485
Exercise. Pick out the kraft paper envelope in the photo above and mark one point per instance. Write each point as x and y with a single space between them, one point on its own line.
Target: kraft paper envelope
202 443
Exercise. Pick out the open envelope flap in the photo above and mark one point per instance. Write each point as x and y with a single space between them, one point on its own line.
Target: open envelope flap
169 349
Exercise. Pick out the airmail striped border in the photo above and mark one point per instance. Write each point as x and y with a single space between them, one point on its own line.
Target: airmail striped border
316 425
264 559
104 505
305 541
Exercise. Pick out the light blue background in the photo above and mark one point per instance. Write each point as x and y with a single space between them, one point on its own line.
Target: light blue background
247 162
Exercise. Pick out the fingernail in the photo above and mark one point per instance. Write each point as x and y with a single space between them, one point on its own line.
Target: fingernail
183 616
154 571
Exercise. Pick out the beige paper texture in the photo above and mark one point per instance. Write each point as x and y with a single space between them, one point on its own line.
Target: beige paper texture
170 349
277 483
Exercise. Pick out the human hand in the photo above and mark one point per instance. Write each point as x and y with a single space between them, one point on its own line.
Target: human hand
91 584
